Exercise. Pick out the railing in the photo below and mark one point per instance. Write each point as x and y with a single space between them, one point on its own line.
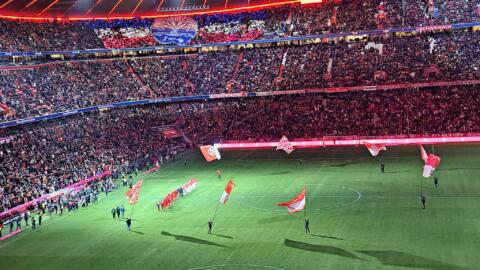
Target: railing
356 141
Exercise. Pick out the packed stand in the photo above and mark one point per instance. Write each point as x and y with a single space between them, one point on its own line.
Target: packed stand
46 157
401 112
61 87
446 56
46 36
331 16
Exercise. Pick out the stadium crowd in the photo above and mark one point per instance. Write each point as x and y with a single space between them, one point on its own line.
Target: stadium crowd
329 17
45 157
434 111
417 58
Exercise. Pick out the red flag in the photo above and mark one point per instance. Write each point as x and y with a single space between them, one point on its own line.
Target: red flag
296 204
132 193
285 145
227 191
431 164
375 148
210 153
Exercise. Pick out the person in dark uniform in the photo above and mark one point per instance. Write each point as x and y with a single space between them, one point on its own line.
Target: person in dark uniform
40 219
25 216
382 167
33 222
307 225
114 212
19 223
185 163
435 181
1 228
118 211
11 225
423 200
210 225
129 224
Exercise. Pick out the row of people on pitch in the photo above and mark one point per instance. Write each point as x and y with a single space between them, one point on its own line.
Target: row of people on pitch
419 58
117 211
70 202
179 192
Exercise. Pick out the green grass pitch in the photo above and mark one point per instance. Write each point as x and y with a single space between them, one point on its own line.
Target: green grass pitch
360 218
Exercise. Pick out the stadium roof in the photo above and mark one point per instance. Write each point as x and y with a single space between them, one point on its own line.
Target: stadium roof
114 9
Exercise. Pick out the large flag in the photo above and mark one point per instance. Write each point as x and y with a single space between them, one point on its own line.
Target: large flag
227 191
296 204
132 193
431 164
210 152
375 148
423 153
285 145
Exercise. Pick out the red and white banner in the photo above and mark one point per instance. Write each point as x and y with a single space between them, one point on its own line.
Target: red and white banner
296 204
285 145
132 193
210 153
431 164
375 148
227 191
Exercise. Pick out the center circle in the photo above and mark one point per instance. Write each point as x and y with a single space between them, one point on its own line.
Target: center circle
319 197
237 266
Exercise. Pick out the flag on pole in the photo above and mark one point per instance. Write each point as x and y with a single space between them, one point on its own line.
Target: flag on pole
210 152
227 191
431 164
375 148
132 193
285 145
423 153
296 204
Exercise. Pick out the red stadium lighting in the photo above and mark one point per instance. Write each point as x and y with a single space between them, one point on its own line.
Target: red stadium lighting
354 142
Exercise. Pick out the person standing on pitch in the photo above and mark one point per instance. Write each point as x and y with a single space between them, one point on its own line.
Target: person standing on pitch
114 212
423 200
210 225
25 216
129 224
219 174
19 223
307 225
33 222
118 211
185 163
382 167
40 219
1 227
435 181
122 211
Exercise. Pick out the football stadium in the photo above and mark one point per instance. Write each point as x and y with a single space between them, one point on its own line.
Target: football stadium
280 134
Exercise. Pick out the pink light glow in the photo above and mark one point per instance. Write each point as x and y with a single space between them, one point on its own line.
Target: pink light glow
355 142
